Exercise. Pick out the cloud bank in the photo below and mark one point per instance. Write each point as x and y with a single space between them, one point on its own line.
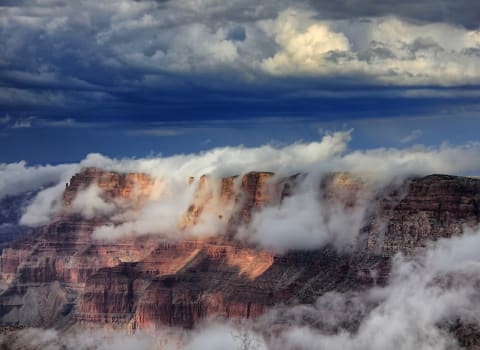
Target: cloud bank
315 220
16 178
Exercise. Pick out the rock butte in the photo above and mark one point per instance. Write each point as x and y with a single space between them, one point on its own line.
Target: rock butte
59 276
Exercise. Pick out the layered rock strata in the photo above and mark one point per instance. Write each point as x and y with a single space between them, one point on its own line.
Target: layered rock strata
60 275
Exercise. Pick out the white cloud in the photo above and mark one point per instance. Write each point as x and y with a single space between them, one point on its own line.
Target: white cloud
211 336
61 123
30 122
414 135
158 132
386 49
307 220
90 204
15 96
303 44
16 178
44 207
23 123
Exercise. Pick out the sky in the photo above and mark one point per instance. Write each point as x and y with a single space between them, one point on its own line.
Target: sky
135 78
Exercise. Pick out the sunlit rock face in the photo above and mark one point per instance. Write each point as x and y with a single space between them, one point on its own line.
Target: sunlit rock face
61 275
213 200
231 201
131 187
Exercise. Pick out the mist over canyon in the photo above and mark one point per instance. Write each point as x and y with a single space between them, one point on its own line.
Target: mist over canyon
303 246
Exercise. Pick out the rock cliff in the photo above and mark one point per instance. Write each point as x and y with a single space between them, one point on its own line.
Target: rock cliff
60 275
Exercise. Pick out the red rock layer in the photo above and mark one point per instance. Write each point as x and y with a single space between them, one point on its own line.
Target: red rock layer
255 193
129 187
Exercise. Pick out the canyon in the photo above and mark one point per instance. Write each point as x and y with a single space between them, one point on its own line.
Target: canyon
60 275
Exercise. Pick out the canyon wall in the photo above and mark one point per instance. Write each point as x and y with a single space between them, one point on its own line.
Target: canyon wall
60 275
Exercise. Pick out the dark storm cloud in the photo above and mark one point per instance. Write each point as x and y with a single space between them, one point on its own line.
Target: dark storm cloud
459 12
185 59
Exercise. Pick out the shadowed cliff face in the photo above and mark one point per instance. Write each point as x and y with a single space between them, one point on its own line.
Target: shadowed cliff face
10 214
429 208
61 275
